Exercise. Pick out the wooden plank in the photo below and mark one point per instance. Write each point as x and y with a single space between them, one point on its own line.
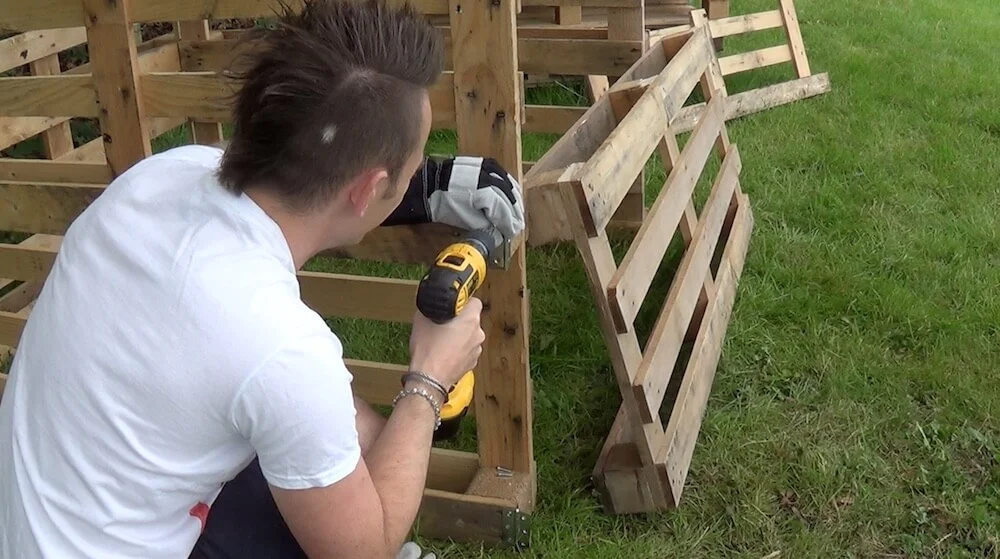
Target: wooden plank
375 383
404 244
692 399
26 15
747 23
205 133
186 10
115 68
90 152
53 96
30 46
794 34
58 140
553 119
488 120
535 55
630 283
17 129
44 208
207 96
668 333
608 175
569 15
3 383
584 3
18 299
451 470
39 170
547 220
600 33
578 57
352 296
629 23
757 100
753 60
11 327
458 517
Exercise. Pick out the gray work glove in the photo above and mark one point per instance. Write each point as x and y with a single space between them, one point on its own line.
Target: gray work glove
411 550
466 192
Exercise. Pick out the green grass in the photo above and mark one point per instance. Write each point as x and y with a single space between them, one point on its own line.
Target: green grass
854 412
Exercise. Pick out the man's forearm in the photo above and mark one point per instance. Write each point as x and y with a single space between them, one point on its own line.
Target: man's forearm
398 463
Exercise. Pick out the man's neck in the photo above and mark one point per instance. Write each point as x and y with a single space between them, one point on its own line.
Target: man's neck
304 234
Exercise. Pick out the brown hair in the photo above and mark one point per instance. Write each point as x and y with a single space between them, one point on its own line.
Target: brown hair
328 92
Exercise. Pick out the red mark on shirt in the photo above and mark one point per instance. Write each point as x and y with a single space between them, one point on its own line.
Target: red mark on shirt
200 511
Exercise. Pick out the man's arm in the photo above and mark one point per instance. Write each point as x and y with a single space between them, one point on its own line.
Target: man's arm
300 417
370 512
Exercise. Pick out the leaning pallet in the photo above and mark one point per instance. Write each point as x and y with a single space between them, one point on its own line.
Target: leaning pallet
793 51
644 462
483 496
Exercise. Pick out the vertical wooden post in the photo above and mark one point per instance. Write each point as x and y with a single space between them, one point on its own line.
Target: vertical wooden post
114 66
488 107
58 140
716 9
205 133
629 24
795 41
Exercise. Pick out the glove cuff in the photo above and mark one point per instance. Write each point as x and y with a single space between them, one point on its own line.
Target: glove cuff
414 207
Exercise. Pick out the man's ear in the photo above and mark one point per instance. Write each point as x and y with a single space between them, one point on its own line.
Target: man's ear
364 189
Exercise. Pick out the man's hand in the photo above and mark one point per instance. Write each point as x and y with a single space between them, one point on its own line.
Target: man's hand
465 192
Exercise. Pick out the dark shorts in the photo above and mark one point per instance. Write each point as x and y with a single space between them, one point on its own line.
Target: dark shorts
245 523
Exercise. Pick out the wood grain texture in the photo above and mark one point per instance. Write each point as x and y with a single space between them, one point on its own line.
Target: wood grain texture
17 129
11 327
38 170
488 108
29 15
757 100
794 34
630 283
48 96
678 310
375 383
58 140
115 69
208 96
459 517
44 208
30 46
202 132
686 417
536 55
552 119
737 63
352 296
747 23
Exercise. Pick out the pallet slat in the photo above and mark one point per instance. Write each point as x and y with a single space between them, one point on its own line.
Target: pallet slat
685 420
14 130
29 15
31 46
52 96
608 175
40 170
631 282
543 56
755 59
668 333
742 24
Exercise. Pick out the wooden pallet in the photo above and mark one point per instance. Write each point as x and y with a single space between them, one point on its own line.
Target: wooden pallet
792 51
644 462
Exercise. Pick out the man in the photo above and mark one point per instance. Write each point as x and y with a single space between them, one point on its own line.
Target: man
170 353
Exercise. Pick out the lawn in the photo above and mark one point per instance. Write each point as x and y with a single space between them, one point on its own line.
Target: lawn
854 412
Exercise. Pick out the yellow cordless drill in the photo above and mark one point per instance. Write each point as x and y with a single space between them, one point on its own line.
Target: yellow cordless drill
458 271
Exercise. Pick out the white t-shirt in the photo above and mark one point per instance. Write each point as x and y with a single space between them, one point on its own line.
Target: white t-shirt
168 346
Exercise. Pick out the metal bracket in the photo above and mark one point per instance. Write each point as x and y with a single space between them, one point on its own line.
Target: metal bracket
502 254
516 529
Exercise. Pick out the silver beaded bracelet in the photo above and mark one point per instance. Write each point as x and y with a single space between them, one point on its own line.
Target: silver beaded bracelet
427 396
